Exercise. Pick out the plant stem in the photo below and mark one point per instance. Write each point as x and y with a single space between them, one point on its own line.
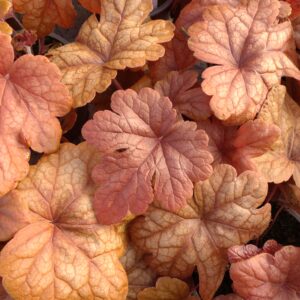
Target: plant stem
117 84
17 20
272 194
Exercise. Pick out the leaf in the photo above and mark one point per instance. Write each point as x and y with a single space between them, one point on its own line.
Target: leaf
268 276
121 39
43 15
237 146
295 4
31 96
93 6
283 160
139 275
5 6
189 101
154 147
222 213
63 252
166 288
249 55
178 56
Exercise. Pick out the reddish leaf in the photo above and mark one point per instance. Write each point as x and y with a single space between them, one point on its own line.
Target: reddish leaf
268 276
249 54
42 15
61 252
158 148
222 213
31 97
237 146
191 102
93 6
295 4
23 39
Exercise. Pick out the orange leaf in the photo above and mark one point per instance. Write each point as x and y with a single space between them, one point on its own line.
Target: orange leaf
148 153
43 15
178 56
121 39
31 96
93 6
191 102
5 6
222 213
63 252
283 159
166 288
249 55
139 275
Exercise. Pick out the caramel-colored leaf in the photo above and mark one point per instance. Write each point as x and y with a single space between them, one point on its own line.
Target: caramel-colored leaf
138 274
283 160
93 6
5 6
248 48
237 146
189 101
268 276
222 213
166 288
121 39
160 156
43 15
62 253
31 96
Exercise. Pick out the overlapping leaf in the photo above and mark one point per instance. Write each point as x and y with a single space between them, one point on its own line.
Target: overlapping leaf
167 288
178 56
189 101
93 6
5 6
222 213
248 48
31 96
155 148
138 274
121 39
268 275
283 160
61 252
237 146
43 15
